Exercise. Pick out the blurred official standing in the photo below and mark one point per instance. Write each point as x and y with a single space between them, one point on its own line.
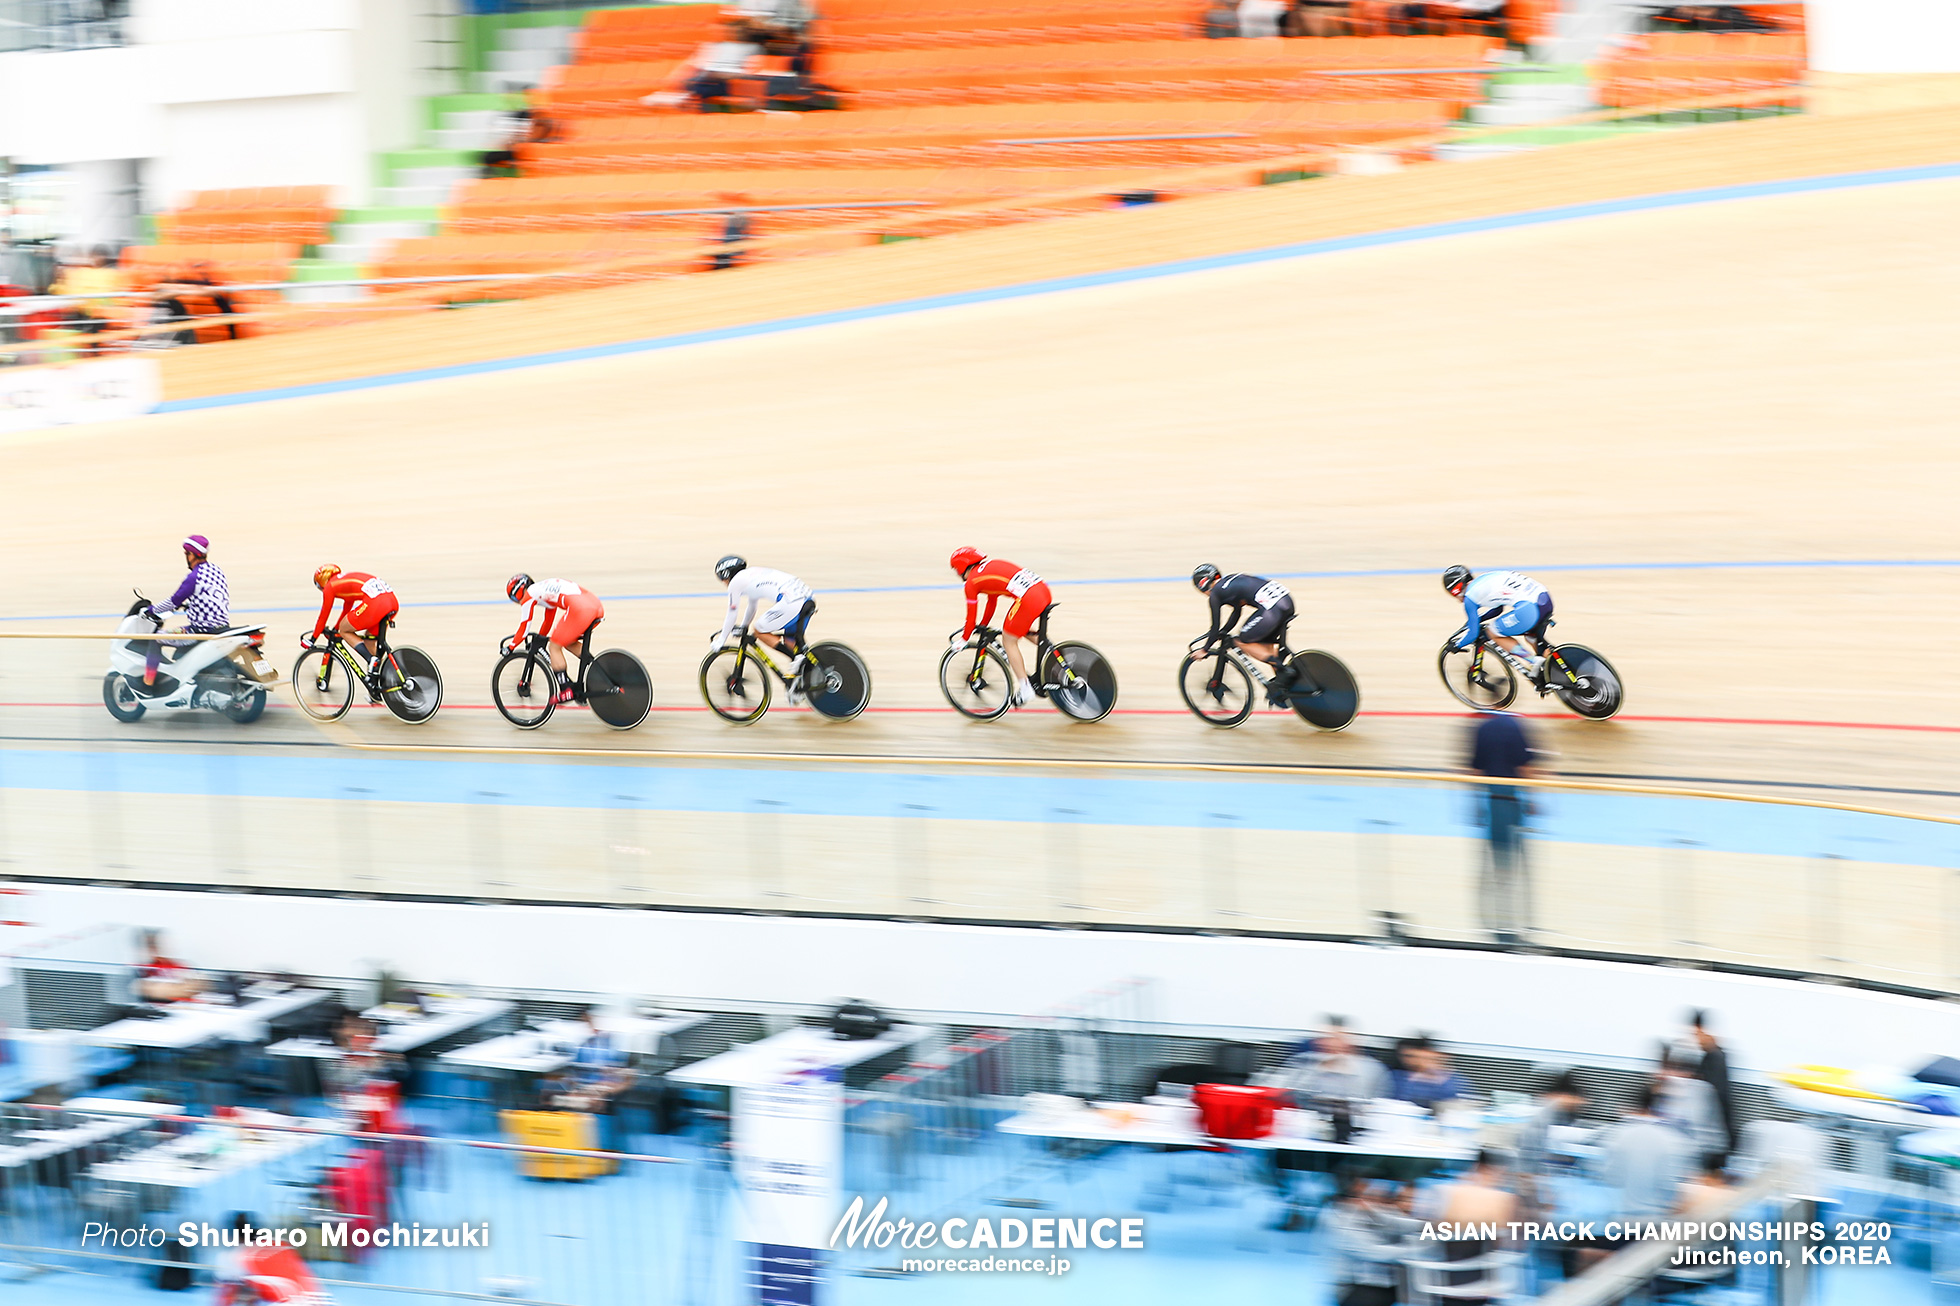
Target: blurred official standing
1501 749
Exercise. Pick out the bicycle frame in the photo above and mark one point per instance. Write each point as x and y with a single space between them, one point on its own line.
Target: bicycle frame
1044 648
367 675
1262 672
749 648
1541 678
540 644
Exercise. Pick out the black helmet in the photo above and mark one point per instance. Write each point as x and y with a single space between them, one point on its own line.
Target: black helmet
726 569
1204 577
516 586
1455 576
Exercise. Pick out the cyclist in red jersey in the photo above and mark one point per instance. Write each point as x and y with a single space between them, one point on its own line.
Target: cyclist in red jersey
564 613
366 602
995 577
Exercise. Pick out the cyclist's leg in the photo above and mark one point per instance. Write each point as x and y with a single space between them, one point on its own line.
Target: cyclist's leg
780 625
1514 628
1019 621
1260 637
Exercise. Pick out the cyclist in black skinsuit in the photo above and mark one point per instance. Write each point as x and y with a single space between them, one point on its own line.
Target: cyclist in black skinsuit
1263 631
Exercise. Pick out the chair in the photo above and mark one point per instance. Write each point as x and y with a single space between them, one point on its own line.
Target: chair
1497 1279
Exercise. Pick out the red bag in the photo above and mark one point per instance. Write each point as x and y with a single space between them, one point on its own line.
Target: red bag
1236 1110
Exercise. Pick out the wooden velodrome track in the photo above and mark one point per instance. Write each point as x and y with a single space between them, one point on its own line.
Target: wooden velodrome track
1762 381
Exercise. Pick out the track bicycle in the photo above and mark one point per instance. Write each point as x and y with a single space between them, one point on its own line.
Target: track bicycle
978 683
1220 686
404 679
735 680
614 684
1486 676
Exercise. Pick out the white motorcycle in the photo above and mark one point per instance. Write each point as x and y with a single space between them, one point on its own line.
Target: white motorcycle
228 675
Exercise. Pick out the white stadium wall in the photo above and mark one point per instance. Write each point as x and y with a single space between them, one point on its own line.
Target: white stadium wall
1541 1006
222 93
1884 36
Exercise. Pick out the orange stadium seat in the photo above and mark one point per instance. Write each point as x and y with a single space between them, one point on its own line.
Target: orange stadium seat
1681 65
583 201
299 214
991 135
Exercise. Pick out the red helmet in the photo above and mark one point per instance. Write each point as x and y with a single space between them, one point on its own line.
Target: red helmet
325 574
966 559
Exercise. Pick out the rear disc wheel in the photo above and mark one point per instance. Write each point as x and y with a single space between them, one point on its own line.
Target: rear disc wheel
410 684
618 689
1593 690
1087 689
837 681
1323 692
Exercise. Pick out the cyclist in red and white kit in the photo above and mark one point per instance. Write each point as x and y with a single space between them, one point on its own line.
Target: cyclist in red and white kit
997 578
564 614
366 601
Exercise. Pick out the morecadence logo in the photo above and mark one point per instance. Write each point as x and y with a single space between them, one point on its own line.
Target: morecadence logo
981 1237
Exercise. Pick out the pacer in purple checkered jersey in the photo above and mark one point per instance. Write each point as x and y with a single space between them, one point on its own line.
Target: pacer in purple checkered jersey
202 598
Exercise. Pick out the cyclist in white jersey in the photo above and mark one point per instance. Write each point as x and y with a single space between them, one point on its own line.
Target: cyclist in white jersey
1511 605
779 608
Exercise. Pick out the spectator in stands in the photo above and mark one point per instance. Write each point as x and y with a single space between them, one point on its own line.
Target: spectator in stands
1477 1197
704 81
1371 1232
792 86
1713 1069
1260 17
525 127
1709 18
102 285
1559 1103
600 1073
1424 1076
1332 1069
1500 748
1689 1105
1316 18
736 227
1645 1159
1447 17
161 978
1221 19
770 17
192 293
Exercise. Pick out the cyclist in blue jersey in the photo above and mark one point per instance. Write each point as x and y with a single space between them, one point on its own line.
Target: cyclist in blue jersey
1511 606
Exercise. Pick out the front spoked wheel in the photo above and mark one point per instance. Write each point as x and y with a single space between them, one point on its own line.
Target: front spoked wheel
1478 677
1081 681
976 682
410 684
736 685
618 689
1217 690
524 689
322 686
837 681
1584 681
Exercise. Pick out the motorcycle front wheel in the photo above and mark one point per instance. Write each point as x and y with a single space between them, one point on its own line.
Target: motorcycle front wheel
120 699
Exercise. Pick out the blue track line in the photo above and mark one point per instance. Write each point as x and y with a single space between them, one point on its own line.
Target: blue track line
1364 573
1299 803
1055 285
